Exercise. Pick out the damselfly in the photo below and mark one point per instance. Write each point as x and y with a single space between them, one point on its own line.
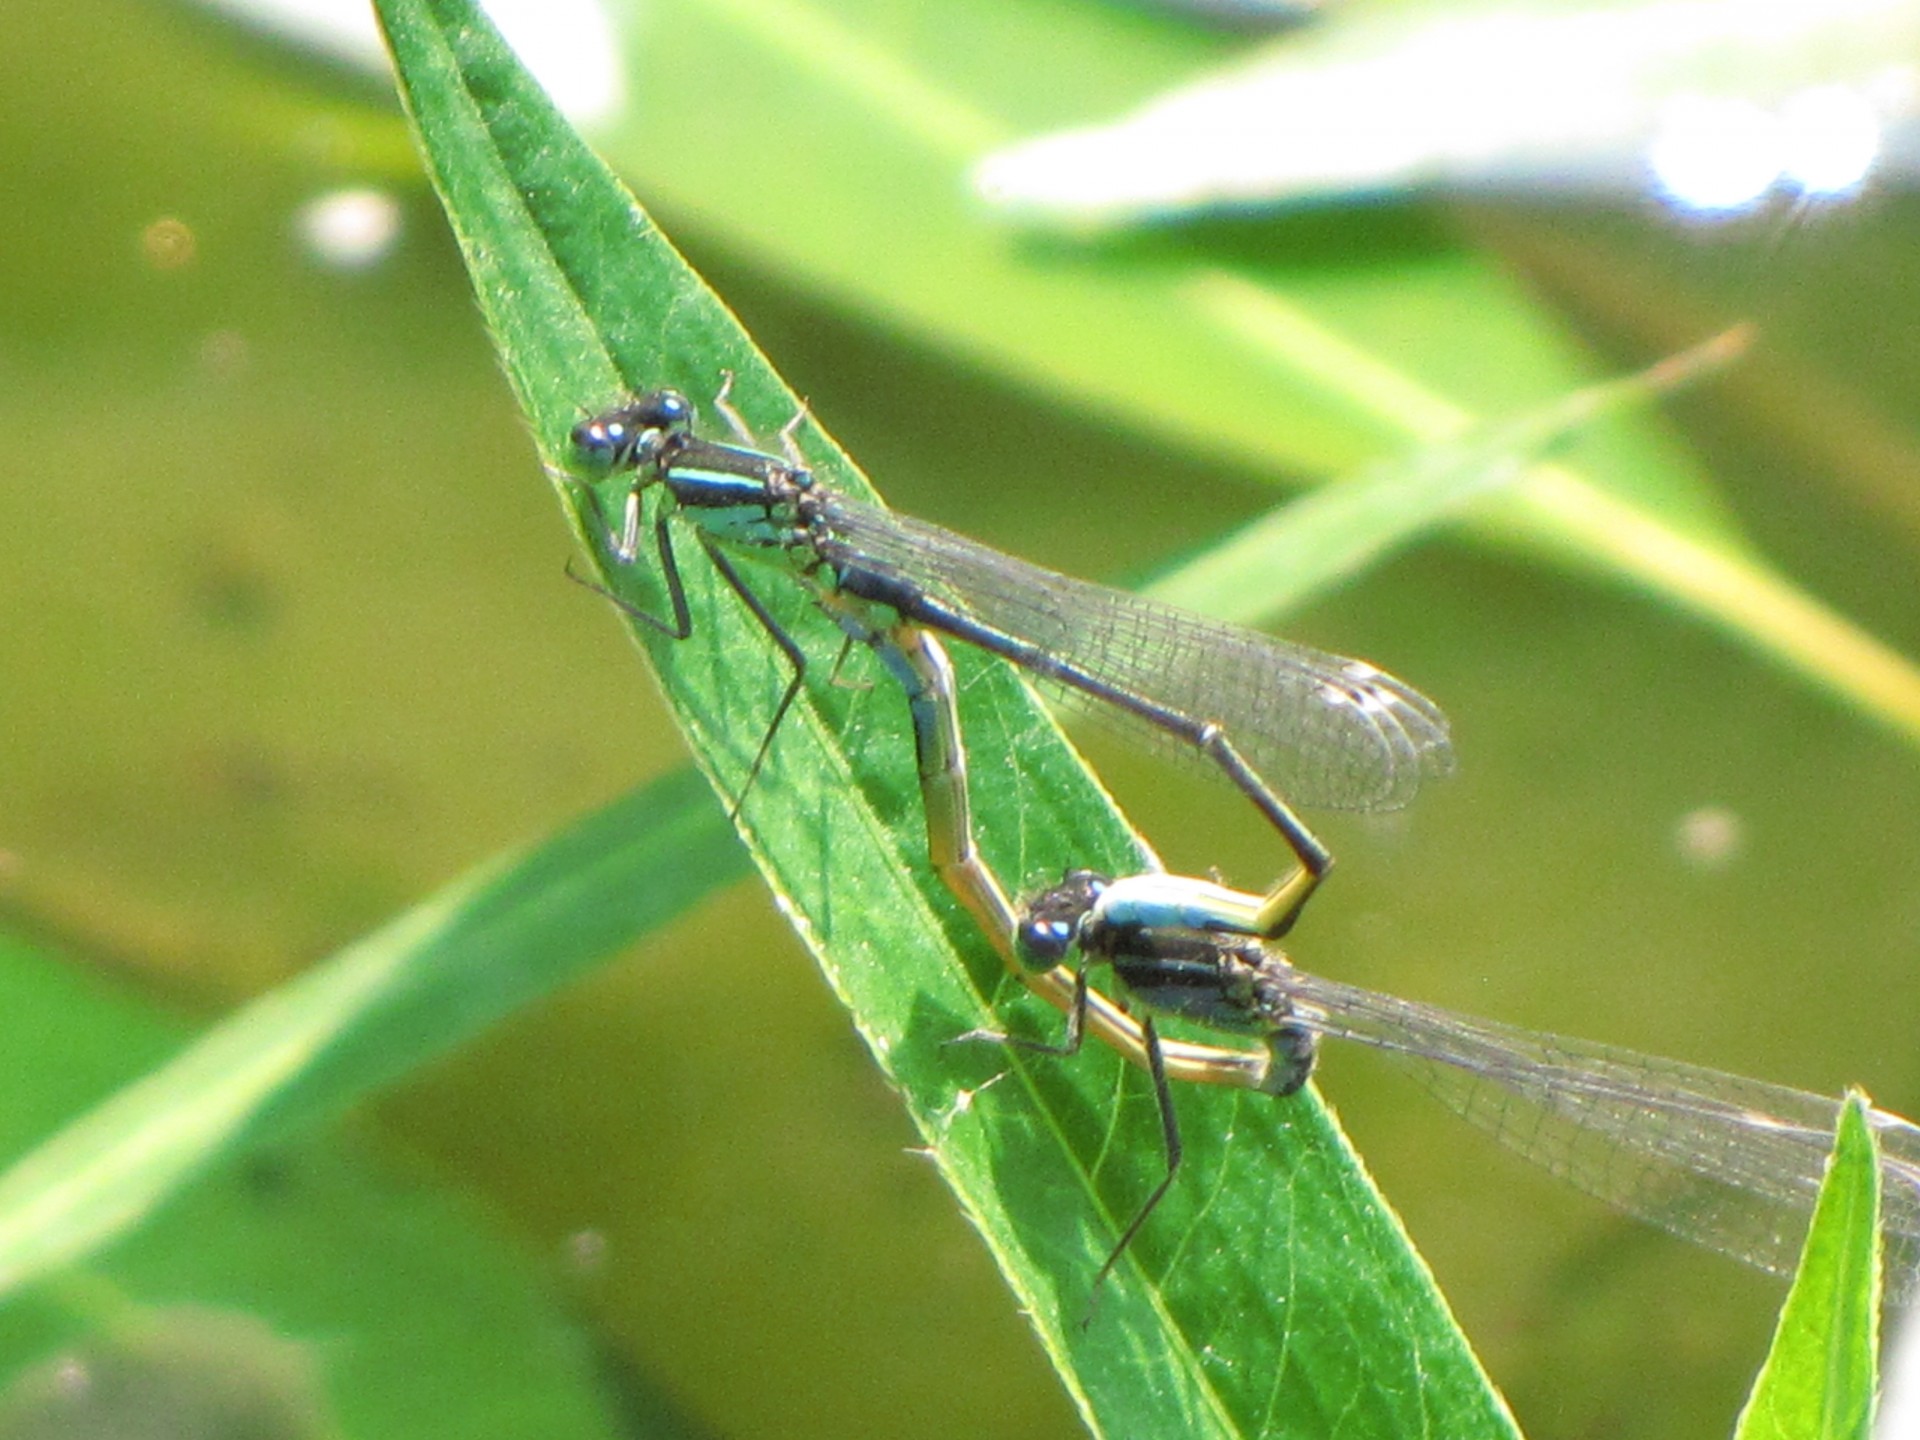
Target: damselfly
1725 1162
1284 723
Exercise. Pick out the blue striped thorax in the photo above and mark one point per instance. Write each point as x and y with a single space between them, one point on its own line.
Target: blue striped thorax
737 496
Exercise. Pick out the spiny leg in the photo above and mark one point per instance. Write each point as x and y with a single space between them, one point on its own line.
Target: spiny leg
1076 1028
627 548
836 676
1170 1135
743 432
625 543
723 407
788 646
682 626
790 437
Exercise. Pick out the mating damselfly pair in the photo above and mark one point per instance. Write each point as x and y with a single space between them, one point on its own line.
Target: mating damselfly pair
1728 1163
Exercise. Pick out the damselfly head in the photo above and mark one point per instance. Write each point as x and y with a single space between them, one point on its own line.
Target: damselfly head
1050 921
634 435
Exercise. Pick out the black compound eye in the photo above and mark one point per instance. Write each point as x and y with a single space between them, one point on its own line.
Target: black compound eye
662 410
675 409
597 436
1042 939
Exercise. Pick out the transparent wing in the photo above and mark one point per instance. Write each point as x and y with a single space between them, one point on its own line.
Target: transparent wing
1322 730
1725 1162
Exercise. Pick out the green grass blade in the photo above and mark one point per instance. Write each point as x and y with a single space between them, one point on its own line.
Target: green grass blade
487 945
1339 530
1274 1293
1822 1372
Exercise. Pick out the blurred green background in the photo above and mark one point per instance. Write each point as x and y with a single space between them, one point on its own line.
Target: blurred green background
288 645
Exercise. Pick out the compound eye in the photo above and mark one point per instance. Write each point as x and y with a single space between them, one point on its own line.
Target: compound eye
1043 940
663 410
675 409
599 436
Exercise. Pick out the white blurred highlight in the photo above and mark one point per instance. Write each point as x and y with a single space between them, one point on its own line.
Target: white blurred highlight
1712 104
1716 155
349 229
1832 139
1709 838
569 45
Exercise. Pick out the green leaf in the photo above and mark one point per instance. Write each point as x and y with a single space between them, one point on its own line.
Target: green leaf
1822 1372
1273 1290
487 945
